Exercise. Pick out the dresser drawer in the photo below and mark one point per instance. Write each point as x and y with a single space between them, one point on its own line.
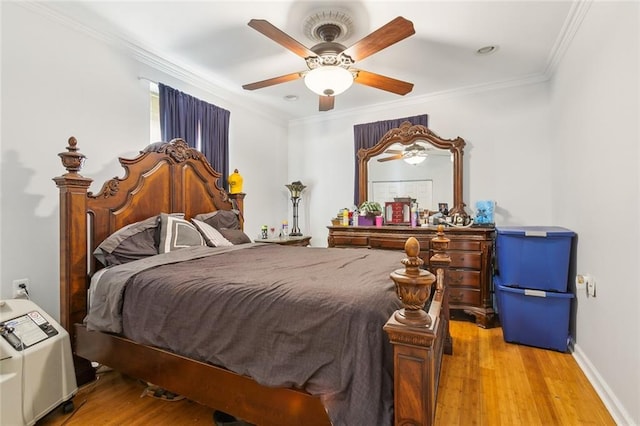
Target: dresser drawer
465 245
387 243
348 240
467 297
465 259
396 244
458 277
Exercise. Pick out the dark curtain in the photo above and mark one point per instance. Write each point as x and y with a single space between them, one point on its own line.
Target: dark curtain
368 134
189 118
215 139
178 115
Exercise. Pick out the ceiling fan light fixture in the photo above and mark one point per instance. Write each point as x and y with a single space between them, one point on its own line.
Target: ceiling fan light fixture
328 80
414 159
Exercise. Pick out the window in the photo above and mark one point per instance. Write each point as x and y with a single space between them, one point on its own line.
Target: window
154 122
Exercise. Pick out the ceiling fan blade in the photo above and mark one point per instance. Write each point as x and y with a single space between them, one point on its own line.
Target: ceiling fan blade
385 83
280 37
272 81
394 151
326 103
393 157
390 33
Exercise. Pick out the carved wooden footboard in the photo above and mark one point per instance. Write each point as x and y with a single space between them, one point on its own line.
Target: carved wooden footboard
171 177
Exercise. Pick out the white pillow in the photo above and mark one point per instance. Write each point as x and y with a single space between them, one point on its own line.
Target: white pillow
211 235
177 233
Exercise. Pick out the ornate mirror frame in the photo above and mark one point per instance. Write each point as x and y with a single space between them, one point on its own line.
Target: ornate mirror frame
408 134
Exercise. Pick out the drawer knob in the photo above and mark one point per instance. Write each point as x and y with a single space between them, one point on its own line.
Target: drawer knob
456 297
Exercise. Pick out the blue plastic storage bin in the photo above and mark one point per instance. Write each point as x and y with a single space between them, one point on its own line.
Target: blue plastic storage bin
534 317
534 257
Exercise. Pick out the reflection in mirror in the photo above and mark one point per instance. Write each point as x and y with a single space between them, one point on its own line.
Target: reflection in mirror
440 161
429 181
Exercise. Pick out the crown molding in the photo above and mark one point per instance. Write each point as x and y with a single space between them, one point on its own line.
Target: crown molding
569 29
135 50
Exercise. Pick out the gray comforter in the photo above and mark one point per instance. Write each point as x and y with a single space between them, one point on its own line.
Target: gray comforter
309 318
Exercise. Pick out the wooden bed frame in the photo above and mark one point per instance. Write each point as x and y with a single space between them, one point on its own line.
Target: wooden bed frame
171 177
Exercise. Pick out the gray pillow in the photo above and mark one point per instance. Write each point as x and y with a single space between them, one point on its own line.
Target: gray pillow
220 219
236 236
177 233
211 235
132 242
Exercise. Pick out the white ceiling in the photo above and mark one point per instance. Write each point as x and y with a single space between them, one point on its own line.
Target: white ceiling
210 41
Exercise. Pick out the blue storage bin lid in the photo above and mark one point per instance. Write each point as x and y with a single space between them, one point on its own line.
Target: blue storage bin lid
499 286
535 231
532 292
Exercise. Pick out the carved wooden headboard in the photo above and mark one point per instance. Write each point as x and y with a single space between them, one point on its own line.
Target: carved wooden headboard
166 177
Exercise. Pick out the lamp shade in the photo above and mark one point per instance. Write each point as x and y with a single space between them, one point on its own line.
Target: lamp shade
295 188
328 80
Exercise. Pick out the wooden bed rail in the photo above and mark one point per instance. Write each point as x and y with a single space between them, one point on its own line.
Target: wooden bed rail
419 338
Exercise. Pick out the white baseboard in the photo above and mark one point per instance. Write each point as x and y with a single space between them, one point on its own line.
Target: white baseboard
617 411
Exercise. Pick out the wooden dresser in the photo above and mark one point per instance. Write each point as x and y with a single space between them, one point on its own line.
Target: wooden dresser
471 269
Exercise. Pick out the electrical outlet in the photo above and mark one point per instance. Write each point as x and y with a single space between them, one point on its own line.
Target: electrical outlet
20 288
587 284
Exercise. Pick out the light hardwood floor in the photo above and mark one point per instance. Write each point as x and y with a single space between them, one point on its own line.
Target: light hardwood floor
485 382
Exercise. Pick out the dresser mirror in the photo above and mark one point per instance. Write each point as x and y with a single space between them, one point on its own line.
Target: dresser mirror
412 160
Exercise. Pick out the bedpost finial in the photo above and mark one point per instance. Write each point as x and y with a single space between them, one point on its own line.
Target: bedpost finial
413 287
440 245
412 262
440 259
412 247
72 160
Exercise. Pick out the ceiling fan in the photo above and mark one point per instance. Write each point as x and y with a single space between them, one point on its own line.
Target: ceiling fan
412 154
330 64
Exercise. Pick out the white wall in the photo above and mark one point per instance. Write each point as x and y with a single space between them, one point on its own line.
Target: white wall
58 82
507 136
594 109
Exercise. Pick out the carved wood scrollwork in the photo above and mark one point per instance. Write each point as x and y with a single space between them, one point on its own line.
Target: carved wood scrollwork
177 149
110 188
